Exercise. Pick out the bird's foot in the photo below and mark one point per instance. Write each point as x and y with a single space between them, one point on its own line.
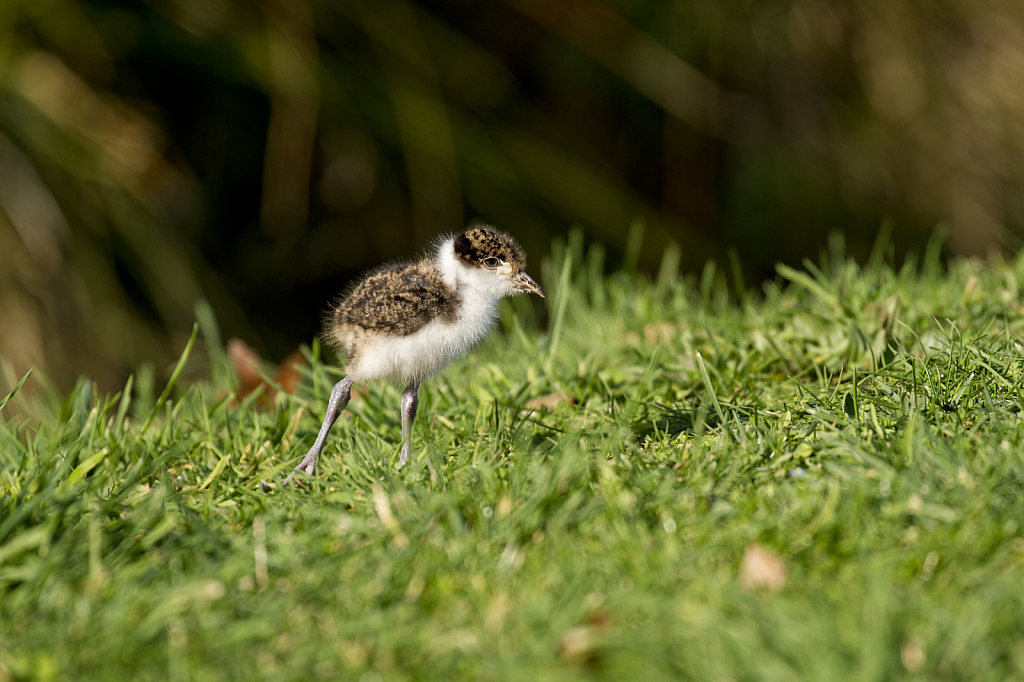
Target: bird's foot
306 466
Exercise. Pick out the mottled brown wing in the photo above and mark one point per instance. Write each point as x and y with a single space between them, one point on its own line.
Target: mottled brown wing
399 300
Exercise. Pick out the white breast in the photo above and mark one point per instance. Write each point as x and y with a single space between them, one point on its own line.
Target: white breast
418 356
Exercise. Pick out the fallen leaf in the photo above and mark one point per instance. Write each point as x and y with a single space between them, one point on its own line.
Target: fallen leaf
629 339
550 401
912 655
578 643
659 331
288 375
762 569
246 362
382 505
497 612
504 506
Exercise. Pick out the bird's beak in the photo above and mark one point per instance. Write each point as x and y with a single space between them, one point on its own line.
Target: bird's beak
524 282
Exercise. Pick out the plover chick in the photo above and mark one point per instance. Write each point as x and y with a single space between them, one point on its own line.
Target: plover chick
405 322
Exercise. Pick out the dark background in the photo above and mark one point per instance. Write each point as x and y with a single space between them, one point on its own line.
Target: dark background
260 154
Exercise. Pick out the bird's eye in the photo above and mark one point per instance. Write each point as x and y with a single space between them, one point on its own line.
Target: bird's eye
491 262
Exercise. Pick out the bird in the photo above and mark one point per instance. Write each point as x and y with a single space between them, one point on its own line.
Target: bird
406 321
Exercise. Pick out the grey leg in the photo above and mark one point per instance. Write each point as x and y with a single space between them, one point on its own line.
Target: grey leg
337 403
409 403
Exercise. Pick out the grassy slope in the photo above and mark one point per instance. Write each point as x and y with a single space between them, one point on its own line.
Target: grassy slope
867 430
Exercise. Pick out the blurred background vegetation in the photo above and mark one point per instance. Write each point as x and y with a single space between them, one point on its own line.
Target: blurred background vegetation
259 154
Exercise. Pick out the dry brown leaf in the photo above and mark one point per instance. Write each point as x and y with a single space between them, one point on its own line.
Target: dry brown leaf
382 505
762 569
504 507
550 401
912 655
288 375
246 361
497 612
629 339
659 331
578 643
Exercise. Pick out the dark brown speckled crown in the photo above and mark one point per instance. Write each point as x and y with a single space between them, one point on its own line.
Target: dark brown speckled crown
477 244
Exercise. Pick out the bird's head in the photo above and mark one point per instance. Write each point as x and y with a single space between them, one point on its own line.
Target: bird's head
491 259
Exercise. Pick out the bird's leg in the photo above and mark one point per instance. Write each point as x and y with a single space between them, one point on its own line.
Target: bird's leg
339 399
409 402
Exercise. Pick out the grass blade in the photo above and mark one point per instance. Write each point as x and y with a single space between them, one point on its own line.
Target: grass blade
174 378
14 392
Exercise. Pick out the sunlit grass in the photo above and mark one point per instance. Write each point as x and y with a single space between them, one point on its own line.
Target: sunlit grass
861 424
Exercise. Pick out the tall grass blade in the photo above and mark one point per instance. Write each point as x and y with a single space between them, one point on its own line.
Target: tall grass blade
174 378
15 390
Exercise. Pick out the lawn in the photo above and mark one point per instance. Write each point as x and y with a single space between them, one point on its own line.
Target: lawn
819 479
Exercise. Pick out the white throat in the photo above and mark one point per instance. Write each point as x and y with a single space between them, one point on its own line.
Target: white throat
479 291
473 284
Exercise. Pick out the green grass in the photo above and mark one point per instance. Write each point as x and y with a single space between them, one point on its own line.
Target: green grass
861 423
